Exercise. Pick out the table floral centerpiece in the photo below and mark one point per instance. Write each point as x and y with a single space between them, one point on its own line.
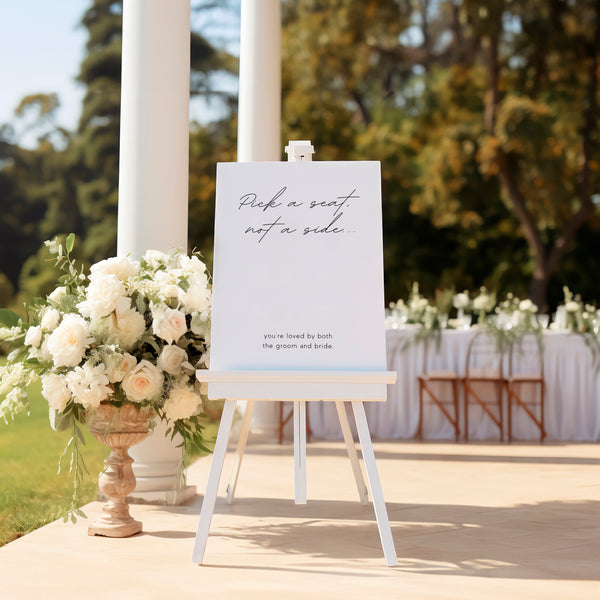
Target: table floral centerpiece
462 303
484 304
127 336
577 316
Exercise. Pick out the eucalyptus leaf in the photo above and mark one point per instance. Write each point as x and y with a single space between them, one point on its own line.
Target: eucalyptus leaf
59 421
141 304
70 242
148 339
8 317
80 435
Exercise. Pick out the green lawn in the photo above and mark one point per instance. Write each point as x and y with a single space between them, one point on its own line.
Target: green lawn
31 492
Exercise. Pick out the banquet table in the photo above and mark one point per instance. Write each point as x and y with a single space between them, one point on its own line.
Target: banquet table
572 392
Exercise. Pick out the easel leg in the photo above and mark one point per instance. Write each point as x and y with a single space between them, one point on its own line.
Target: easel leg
239 453
208 504
363 493
385 532
300 451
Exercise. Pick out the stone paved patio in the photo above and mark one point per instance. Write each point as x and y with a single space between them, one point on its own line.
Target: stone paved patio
470 521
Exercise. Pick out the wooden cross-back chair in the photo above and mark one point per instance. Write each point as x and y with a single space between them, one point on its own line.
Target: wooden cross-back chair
525 381
483 382
441 387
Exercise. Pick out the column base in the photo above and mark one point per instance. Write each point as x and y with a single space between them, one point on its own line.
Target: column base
159 497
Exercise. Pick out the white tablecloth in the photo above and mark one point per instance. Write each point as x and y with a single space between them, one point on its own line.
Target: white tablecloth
572 393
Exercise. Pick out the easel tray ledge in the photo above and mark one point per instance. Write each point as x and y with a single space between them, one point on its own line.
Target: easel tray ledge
298 385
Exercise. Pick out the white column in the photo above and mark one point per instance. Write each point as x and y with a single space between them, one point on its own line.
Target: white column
153 179
259 103
154 147
259 118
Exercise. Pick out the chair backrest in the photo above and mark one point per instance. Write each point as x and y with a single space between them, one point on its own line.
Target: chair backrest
526 356
484 357
428 355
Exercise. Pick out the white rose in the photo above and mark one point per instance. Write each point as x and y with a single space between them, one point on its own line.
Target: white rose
58 294
122 267
191 264
169 325
171 358
167 284
196 299
170 291
155 258
182 403
126 328
143 382
33 337
104 294
572 306
118 365
89 385
198 279
55 390
68 342
50 319
163 278
128 363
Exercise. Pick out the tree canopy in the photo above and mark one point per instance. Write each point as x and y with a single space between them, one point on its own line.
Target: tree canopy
484 116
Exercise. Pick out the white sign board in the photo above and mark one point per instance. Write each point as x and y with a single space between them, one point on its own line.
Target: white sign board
298 267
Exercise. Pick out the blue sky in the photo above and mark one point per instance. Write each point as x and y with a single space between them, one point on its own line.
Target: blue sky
41 46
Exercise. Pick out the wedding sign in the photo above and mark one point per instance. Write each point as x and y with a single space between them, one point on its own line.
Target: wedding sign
298 267
298 309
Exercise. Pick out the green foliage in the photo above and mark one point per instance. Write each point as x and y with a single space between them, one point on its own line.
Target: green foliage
8 317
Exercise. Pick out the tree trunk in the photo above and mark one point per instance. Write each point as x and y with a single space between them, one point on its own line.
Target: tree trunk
546 258
539 287
492 96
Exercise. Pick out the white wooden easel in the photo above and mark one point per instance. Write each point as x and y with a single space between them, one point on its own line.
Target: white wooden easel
298 386
336 386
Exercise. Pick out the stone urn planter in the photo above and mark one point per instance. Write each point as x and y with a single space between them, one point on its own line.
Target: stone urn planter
119 428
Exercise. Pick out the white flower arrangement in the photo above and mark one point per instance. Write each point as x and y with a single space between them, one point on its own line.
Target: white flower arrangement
528 306
461 300
485 301
572 307
127 332
576 316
